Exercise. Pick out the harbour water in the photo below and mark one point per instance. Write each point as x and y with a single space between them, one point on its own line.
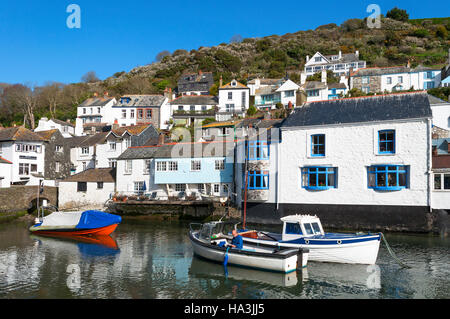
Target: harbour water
146 260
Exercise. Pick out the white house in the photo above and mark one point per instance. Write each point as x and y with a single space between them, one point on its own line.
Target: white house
441 112
94 111
26 150
67 129
267 97
441 174
88 189
5 173
341 64
188 109
394 79
233 100
321 91
258 83
366 159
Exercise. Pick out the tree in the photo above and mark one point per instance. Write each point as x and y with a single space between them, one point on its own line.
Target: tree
23 98
252 110
398 14
237 38
90 77
161 55
52 95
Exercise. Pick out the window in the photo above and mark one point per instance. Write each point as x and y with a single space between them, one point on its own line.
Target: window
319 177
33 168
140 114
128 166
225 131
441 181
258 150
429 85
196 165
386 142
317 59
112 162
293 229
98 110
81 187
173 166
180 187
244 98
428 75
192 108
149 114
24 169
308 229
230 95
127 142
365 80
258 180
225 188
85 150
58 148
99 185
289 93
124 114
318 145
112 146
131 114
387 177
161 166
216 188
400 79
389 80
84 111
220 165
312 92
229 107
84 166
366 89
147 166
138 187
204 108
57 167
201 188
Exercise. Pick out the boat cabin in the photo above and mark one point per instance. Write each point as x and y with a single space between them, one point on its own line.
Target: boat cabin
298 226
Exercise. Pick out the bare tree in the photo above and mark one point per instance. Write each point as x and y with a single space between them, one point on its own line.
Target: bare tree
25 98
237 38
52 95
161 55
90 77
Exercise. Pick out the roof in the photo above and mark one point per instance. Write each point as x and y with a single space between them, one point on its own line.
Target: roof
106 175
231 85
94 139
435 100
4 161
133 129
377 71
362 109
441 161
195 100
19 134
62 122
221 124
336 86
196 77
46 135
265 90
441 145
140 100
314 85
179 150
96 101
266 81
299 218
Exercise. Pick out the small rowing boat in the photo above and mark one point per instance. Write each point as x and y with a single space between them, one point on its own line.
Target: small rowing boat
210 242
90 222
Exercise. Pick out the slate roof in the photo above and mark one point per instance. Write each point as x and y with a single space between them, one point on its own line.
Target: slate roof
98 138
435 100
195 100
314 85
140 101
229 86
19 134
375 71
361 109
196 77
441 145
266 81
179 150
62 122
46 135
106 175
336 86
133 129
96 101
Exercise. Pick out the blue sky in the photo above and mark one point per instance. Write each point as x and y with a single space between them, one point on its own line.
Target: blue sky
37 46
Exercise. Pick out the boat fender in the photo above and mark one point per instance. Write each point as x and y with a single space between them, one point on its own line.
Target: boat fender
339 242
306 241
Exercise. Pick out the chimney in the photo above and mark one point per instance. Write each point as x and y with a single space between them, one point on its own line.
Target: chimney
106 94
408 65
200 72
340 55
96 94
302 78
324 76
161 138
115 126
220 81
307 58
357 53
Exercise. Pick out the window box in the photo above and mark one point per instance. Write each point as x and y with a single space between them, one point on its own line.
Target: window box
319 177
388 177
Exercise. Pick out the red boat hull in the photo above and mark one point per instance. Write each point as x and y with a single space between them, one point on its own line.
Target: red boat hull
103 231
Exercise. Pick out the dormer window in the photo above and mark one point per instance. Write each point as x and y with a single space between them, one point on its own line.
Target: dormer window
233 83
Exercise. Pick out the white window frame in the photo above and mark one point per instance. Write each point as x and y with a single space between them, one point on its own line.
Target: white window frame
219 165
161 166
128 167
196 165
172 166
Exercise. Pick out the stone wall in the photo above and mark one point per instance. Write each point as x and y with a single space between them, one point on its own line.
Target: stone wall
374 83
20 198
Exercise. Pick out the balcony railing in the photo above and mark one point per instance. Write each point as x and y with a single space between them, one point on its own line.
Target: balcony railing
193 113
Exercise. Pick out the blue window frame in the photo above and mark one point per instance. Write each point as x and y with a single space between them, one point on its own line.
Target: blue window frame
258 180
257 150
388 177
319 177
386 142
318 145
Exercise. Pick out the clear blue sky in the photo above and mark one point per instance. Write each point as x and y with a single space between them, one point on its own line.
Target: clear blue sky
37 46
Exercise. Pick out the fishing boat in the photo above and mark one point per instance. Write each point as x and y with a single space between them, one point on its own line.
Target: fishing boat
212 242
90 222
305 231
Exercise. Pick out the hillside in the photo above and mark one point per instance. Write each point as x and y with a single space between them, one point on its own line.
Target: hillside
421 41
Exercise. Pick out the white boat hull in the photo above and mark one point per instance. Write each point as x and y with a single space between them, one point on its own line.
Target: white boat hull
284 265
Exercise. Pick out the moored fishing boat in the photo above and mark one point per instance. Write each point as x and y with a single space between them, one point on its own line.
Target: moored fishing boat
305 231
210 242
90 222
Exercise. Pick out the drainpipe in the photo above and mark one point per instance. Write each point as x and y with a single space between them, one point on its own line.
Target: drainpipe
430 163
278 170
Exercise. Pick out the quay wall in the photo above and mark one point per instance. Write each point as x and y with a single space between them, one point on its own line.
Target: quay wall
21 198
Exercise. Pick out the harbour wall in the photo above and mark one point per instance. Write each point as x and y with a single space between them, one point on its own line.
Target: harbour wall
24 198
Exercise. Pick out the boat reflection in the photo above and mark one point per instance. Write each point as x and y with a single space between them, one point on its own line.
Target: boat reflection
86 245
201 268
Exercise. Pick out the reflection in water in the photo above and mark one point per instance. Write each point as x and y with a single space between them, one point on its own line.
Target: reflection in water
145 259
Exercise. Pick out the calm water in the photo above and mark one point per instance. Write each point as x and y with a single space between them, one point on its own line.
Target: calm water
147 259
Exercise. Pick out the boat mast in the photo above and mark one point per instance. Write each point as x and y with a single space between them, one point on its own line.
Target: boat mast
246 179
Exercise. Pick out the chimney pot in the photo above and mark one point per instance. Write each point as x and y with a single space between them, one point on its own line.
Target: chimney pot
161 139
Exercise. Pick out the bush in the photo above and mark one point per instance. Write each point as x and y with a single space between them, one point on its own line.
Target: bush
420 33
441 32
398 14
252 110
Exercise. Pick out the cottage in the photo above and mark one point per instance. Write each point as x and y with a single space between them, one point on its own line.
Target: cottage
67 129
233 101
321 90
363 158
193 109
441 112
195 83
92 113
25 150
267 97
89 189
340 63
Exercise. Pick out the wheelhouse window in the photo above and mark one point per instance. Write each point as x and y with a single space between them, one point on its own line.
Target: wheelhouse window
293 229
258 150
258 180
319 177
318 145
388 177
386 142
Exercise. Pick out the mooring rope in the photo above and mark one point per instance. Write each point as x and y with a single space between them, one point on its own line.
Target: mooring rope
391 252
